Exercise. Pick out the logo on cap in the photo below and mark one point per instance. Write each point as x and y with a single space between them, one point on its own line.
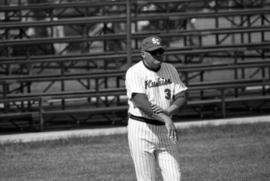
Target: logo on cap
155 41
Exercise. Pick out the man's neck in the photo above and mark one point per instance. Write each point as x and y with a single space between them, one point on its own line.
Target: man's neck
151 68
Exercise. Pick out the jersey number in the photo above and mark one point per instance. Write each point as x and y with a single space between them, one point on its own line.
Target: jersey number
167 94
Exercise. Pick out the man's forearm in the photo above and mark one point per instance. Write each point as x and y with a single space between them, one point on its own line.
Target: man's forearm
143 104
177 104
162 117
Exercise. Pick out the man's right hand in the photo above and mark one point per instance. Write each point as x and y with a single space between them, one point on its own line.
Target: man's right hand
172 132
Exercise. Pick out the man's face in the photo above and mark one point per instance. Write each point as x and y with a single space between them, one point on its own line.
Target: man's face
154 58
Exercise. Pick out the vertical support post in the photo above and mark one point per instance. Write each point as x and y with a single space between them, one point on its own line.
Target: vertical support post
201 80
51 34
5 92
242 24
235 58
263 77
249 24
63 103
128 29
106 81
118 78
41 119
223 103
28 84
97 90
136 27
216 22
263 32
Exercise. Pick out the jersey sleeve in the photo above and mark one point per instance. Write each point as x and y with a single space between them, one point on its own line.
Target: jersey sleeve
179 85
134 82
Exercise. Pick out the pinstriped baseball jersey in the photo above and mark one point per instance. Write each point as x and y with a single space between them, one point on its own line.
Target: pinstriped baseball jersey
160 86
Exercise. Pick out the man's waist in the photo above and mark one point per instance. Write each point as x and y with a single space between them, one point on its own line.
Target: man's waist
146 120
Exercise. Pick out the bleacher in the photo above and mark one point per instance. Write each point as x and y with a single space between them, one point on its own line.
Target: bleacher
63 64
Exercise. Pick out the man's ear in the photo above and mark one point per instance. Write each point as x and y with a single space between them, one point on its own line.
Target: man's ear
142 54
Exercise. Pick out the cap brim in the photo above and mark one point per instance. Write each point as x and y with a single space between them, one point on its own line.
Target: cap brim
155 48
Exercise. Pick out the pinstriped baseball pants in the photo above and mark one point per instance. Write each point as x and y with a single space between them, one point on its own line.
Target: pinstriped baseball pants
149 144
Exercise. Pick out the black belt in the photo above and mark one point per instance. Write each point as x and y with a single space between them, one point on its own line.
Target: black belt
146 120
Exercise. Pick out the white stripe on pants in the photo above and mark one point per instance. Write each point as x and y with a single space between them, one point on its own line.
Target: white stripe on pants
149 143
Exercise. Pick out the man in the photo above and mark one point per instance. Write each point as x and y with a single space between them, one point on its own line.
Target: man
155 92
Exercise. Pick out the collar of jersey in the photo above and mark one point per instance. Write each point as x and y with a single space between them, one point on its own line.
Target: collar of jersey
155 70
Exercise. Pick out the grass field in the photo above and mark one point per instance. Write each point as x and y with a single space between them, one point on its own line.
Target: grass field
232 152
